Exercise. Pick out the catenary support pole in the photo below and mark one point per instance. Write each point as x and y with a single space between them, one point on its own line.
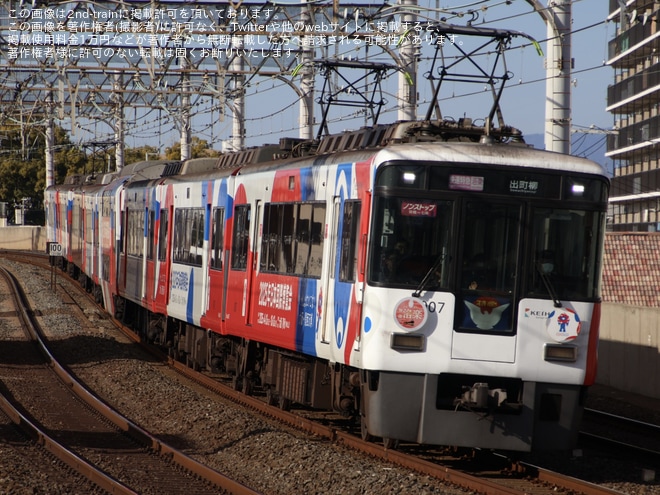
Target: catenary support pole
407 87
558 78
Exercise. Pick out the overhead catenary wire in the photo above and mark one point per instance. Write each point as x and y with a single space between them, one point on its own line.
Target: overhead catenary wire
163 124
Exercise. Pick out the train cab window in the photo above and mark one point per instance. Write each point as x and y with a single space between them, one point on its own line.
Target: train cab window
411 242
239 253
489 266
162 235
349 235
217 238
564 255
188 236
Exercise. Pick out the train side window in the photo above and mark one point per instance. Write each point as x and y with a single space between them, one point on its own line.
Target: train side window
151 245
197 238
105 267
162 236
271 240
217 238
349 234
315 265
277 238
87 220
135 233
241 233
303 235
188 236
76 226
288 232
309 239
63 225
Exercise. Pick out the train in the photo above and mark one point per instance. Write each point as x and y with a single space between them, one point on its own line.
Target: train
436 282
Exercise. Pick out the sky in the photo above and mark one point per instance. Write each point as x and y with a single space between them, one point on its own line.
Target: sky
590 75
272 110
523 102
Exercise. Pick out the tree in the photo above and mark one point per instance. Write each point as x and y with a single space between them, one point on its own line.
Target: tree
23 164
132 155
199 149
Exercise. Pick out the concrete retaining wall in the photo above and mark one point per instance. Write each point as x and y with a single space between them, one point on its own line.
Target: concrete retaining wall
629 348
23 238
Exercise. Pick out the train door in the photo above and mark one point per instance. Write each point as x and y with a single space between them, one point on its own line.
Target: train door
343 293
150 254
164 226
217 269
96 250
76 228
237 279
252 264
67 205
107 269
330 272
85 230
487 281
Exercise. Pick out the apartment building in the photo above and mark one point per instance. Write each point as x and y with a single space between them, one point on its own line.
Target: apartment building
634 100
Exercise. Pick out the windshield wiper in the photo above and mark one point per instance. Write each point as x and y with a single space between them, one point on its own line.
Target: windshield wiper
429 275
548 285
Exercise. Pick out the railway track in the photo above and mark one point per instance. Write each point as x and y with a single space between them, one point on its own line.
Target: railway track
622 433
86 434
23 451
492 476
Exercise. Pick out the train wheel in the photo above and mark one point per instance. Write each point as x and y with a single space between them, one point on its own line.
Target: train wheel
120 307
98 294
390 443
271 396
247 385
191 363
364 432
285 404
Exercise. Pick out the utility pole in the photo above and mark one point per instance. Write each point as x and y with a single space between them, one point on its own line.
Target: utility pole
407 92
119 124
307 77
238 94
558 82
558 66
50 140
186 152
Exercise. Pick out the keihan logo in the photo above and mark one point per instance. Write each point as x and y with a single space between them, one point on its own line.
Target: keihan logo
533 313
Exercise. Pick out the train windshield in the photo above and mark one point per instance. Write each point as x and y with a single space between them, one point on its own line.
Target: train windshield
564 254
491 238
412 237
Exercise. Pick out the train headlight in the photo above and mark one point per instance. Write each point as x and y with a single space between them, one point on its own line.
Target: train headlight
577 189
560 352
407 342
409 178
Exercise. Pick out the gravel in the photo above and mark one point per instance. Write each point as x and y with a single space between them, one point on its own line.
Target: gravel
267 456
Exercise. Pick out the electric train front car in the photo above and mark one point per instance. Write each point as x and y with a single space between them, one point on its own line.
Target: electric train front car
481 315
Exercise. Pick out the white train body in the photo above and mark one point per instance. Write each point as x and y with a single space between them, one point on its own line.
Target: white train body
440 292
